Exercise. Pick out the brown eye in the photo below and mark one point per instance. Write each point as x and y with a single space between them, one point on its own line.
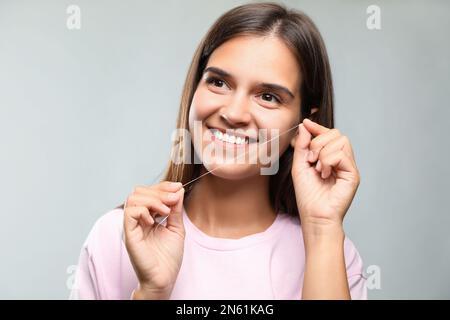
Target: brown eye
215 81
269 97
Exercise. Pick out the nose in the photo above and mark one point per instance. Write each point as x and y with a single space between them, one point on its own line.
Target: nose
237 112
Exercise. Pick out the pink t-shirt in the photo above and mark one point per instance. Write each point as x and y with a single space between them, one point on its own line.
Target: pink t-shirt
265 265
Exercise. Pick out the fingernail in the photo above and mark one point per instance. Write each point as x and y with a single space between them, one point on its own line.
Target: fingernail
172 196
325 174
318 165
176 184
311 155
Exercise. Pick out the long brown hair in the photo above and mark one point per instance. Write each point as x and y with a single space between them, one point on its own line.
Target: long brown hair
301 35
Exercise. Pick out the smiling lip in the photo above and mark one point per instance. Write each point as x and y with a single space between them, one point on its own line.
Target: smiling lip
226 143
236 134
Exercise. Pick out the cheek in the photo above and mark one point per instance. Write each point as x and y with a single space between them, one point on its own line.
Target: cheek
282 120
204 104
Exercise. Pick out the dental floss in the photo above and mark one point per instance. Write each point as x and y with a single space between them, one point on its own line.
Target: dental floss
189 182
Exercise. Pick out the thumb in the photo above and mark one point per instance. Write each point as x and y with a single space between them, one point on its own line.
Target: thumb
301 148
175 218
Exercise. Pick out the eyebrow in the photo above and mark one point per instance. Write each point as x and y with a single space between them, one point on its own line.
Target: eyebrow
269 86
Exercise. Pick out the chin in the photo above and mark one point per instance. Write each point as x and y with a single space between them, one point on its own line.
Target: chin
232 171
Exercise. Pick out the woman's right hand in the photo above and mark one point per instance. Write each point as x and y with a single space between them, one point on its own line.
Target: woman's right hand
156 252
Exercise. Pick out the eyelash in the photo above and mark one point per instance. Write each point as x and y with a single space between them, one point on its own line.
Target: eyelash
210 80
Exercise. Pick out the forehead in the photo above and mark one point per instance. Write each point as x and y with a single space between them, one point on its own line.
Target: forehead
259 59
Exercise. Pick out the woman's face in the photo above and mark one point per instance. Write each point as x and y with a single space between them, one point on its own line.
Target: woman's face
249 84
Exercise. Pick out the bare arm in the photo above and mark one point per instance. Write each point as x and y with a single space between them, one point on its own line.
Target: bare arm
325 272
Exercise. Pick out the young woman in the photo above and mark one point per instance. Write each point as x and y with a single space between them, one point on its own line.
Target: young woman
234 233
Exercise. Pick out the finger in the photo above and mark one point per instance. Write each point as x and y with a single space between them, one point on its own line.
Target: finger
168 198
154 204
338 143
169 186
175 219
320 142
301 148
338 161
133 216
324 168
318 166
314 128
345 145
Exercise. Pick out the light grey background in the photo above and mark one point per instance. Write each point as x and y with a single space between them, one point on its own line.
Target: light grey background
86 115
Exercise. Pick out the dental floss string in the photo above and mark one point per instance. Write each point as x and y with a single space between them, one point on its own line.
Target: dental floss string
208 172
187 183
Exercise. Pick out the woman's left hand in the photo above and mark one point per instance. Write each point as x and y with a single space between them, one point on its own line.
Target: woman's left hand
325 191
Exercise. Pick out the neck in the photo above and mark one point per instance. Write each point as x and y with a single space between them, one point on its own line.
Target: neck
230 208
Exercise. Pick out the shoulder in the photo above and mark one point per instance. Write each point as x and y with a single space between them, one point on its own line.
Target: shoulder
353 260
106 231
101 273
292 230
355 271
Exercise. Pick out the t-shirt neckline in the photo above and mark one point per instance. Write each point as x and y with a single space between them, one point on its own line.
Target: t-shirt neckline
223 244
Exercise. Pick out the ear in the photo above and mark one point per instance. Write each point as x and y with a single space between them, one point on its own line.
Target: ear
311 117
294 138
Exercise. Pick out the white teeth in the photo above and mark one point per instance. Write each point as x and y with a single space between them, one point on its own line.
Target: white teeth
229 138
